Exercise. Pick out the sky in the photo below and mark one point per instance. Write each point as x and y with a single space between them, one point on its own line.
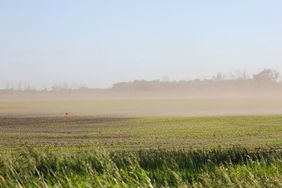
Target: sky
99 42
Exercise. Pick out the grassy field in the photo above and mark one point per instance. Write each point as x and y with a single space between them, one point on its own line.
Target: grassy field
216 151
142 133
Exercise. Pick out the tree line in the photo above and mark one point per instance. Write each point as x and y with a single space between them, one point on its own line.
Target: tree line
267 78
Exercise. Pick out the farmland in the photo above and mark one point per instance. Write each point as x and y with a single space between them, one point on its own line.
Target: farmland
215 151
142 133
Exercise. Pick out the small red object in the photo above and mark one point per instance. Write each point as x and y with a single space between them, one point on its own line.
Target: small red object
66 113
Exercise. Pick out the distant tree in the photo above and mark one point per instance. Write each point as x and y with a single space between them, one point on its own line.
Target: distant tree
219 77
267 76
244 76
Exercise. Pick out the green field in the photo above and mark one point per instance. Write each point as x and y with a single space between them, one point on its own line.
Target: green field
81 151
142 133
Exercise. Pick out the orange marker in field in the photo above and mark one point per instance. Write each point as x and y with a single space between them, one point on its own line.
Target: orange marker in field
66 113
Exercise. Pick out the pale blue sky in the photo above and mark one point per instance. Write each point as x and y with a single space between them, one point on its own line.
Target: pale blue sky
101 42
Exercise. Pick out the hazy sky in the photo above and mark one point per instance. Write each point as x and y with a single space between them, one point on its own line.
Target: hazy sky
99 42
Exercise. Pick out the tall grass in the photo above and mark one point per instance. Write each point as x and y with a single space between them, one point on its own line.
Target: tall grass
235 167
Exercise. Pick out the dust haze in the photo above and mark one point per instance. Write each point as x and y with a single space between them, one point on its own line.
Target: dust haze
242 95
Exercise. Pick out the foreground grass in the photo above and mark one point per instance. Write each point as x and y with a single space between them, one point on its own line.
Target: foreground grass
234 167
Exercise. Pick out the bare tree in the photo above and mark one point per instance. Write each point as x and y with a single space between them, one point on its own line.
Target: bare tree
267 76
219 77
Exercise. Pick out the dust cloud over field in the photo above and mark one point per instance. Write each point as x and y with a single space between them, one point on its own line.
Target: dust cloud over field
140 104
261 94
